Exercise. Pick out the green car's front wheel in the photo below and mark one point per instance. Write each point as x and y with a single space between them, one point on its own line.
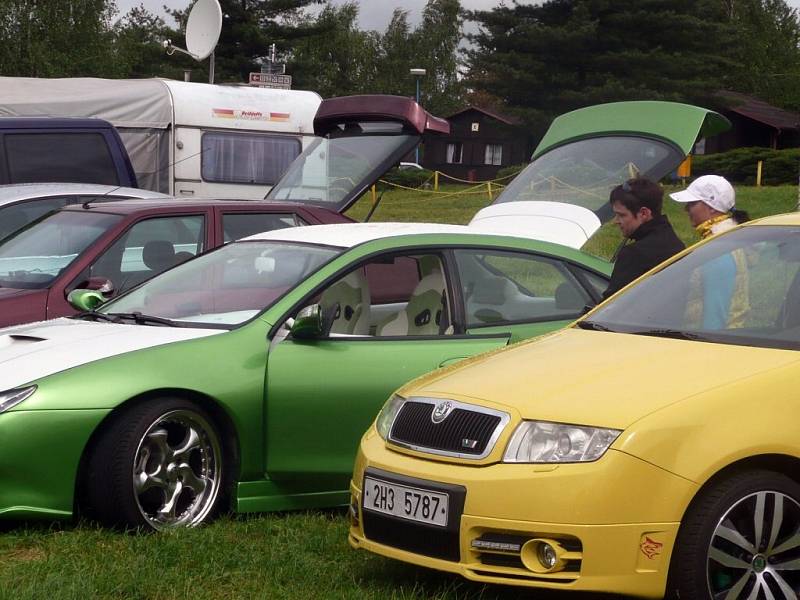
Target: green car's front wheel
158 465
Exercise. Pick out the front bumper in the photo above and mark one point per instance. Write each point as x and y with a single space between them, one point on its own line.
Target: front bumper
616 520
40 452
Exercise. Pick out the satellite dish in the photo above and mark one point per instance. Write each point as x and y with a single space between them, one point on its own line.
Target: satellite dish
203 28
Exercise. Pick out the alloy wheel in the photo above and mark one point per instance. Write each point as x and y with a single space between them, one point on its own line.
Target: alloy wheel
177 470
754 552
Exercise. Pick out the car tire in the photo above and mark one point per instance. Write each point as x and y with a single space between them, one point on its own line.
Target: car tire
158 465
716 554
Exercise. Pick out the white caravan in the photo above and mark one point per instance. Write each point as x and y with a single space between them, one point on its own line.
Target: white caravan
183 138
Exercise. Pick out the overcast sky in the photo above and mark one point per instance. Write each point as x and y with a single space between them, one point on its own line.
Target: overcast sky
374 14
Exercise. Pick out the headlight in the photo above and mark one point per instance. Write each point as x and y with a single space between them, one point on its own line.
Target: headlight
386 417
11 398
543 442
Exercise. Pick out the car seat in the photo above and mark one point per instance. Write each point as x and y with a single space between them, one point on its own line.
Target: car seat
352 294
426 311
568 297
158 255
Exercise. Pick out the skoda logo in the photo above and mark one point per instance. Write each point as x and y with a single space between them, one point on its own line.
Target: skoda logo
441 410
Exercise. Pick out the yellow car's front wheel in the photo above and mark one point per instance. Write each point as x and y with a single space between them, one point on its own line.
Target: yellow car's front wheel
740 539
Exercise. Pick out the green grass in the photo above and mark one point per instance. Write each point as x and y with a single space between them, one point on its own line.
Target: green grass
286 555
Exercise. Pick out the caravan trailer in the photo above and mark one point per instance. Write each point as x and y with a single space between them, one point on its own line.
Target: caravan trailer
184 138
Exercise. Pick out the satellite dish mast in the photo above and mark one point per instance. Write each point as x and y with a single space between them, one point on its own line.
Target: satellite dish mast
202 33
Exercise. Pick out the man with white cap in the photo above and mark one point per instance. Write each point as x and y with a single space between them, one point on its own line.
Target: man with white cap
719 297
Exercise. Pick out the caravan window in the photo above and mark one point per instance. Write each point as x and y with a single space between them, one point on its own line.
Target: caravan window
246 158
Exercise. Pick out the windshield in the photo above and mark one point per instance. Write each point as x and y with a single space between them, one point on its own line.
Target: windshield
37 254
584 172
333 171
740 288
226 287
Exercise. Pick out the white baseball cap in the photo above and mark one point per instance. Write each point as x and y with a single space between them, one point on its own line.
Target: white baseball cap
710 189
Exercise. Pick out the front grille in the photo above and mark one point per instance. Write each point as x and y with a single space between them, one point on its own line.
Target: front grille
413 537
466 431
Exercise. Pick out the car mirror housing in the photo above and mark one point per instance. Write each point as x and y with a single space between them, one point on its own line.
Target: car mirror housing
308 324
85 300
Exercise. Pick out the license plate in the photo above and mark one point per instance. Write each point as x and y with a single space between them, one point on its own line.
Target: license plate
414 504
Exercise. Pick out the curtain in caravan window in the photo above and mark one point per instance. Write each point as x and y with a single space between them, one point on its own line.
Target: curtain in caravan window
247 158
149 153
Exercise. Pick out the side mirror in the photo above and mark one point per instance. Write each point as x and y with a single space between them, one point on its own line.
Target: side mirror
98 284
313 322
85 300
308 323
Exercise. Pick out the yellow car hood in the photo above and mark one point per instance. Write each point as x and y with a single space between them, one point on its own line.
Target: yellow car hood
598 378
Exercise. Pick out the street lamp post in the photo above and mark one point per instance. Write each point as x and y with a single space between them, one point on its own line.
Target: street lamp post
418 74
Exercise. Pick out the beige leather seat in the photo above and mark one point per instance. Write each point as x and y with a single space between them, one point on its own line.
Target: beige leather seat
352 294
425 313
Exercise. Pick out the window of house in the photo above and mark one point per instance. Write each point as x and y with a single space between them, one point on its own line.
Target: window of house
494 154
454 153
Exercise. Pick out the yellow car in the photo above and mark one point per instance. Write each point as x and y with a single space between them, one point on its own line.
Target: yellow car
651 449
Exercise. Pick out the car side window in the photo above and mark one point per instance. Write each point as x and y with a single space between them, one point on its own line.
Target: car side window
391 296
148 248
505 286
239 225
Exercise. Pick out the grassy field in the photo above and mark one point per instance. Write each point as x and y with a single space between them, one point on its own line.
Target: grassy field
285 555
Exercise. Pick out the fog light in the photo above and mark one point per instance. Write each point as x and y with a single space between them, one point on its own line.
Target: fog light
543 556
547 555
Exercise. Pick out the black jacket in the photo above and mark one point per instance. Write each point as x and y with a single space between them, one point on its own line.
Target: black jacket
653 243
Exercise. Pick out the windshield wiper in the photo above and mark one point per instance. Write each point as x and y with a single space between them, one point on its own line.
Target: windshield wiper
594 326
96 316
672 333
141 319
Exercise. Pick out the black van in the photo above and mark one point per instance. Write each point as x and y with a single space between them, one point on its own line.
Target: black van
57 149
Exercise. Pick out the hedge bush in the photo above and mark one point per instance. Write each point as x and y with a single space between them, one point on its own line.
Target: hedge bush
510 170
412 178
740 165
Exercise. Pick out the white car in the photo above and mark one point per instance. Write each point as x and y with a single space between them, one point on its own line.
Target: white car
22 203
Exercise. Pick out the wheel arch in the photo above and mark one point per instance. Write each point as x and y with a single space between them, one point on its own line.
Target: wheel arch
228 432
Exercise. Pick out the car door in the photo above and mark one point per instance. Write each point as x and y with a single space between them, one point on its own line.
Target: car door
148 247
523 293
390 322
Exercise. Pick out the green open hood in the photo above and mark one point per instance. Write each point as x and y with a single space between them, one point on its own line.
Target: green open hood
680 124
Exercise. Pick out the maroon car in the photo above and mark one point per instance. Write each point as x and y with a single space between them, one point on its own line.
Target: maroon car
114 246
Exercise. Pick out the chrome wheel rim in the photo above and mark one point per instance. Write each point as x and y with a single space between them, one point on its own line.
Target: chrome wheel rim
177 470
754 552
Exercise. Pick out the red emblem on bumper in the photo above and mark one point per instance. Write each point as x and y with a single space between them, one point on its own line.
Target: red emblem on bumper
650 548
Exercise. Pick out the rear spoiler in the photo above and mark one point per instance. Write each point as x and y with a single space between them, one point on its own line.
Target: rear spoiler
377 107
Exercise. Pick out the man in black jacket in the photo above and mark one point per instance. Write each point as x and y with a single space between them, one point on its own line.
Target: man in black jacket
650 237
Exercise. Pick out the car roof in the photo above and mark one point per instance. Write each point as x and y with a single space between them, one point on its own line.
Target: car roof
784 219
14 192
348 235
168 203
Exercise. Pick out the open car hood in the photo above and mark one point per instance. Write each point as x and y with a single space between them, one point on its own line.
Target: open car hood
562 196
360 138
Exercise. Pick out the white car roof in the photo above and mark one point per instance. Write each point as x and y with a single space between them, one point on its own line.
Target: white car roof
552 222
16 192
347 235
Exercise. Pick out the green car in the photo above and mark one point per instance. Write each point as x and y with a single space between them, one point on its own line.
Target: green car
244 378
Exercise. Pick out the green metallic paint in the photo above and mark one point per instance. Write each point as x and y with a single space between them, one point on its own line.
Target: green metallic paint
323 394
522 331
680 124
48 433
49 444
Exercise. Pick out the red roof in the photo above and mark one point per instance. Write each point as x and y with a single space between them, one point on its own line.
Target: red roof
494 115
761 111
